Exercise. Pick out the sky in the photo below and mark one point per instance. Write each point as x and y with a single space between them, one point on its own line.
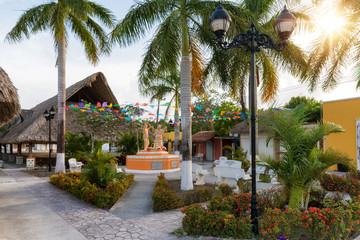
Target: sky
30 64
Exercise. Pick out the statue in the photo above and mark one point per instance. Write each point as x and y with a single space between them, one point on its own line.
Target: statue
158 143
146 135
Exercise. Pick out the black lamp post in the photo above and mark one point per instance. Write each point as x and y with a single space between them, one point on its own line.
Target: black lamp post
49 115
252 40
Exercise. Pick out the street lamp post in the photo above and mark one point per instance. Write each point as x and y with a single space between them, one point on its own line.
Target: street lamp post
252 40
49 115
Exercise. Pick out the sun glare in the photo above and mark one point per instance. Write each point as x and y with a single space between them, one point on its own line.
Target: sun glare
330 22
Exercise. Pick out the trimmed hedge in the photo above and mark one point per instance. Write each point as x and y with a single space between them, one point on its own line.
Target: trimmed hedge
88 192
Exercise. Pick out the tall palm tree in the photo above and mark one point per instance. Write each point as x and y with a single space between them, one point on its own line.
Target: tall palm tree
59 17
176 37
332 51
302 163
232 67
168 84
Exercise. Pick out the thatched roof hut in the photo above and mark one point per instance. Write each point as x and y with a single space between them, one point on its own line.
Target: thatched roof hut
31 127
244 128
9 100
203 136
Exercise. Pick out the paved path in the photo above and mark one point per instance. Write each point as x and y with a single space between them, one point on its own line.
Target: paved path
79 219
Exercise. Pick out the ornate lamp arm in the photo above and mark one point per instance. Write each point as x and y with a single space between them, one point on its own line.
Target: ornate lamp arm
244 40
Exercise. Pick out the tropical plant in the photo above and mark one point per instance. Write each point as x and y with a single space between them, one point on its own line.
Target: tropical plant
100 169
302 163
162 86
177 36
58 17
128 143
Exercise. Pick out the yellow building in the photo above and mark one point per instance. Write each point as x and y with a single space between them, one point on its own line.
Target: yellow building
169 137
346 113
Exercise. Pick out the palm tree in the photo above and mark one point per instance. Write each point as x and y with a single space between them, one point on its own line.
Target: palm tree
302 163
175 38
168 84
334 50
59 17
231 68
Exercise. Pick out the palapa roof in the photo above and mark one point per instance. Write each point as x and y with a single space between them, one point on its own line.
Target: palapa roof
9 100
244 128
203 136
31 126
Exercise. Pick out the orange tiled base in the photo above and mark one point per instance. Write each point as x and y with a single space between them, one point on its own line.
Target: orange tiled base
141 162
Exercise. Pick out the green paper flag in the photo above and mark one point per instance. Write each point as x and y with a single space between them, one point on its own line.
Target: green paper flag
166 104
216 111
116 105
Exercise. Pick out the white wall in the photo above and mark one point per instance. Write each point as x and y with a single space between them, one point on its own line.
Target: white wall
261 145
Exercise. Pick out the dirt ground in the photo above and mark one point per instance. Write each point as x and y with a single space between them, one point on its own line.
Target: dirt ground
40 172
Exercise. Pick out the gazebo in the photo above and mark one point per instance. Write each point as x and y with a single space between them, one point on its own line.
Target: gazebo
9 101
30 127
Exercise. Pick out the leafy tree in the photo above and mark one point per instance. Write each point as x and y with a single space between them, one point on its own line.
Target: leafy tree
58 17
313 108
226 122
302 164
176 37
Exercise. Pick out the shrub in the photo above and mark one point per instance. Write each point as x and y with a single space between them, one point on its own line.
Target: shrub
272 198
89 192
333 182
199 221
163 198
243 185
317 197
198 196
225 189
98 170
312 224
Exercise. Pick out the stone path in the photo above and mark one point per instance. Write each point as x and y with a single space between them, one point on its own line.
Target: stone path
90 221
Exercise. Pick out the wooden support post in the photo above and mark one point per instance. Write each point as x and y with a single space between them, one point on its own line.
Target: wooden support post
30 150
19 149
11 148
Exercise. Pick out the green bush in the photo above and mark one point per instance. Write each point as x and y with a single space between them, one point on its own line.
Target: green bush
89 192
333 182
99 171
198 196
199 221
163 198
243 185
313 224
225 189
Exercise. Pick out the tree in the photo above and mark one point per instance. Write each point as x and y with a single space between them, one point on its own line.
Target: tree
162 86
223 127
302 163
232 68
313 108
176 36
334 50
59 17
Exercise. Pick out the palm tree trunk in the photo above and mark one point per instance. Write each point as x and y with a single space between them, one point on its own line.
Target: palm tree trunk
185 79
296 200
60 156
176 125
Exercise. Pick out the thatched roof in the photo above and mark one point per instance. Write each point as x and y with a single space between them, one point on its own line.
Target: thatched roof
203 136
9 101
31 126
244 128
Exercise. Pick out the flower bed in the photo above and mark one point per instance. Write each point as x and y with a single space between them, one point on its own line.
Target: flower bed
84 190
228 217
333 182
